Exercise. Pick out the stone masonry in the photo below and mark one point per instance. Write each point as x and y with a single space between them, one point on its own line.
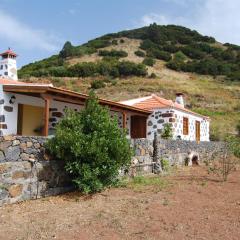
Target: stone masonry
26 172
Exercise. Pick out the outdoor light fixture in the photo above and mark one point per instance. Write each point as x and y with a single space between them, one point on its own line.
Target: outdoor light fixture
12 100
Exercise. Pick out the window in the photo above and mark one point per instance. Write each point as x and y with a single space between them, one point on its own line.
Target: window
185 126
6 66
6 73
1 67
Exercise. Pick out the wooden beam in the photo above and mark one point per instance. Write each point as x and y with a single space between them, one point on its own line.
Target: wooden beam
124 119
46 116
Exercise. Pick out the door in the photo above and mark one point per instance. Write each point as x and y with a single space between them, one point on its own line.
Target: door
197 129
138 127
30 120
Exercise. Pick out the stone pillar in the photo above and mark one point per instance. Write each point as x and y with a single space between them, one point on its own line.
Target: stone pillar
157 168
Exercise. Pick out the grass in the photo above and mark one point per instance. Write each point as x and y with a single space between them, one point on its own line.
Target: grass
139 183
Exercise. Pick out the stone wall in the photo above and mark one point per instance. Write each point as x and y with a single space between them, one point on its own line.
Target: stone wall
25 171
175 151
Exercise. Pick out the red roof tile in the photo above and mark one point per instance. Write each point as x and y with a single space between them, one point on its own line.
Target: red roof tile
155 102
8 52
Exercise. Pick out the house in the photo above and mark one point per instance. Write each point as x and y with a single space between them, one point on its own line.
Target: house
185 124
34 109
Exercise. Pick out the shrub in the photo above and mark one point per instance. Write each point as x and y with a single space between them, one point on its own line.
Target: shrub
92 145
149 61
139 53
127 68
153 75
162 55
113 53
122 41
114 42
179 56
96 84
167 131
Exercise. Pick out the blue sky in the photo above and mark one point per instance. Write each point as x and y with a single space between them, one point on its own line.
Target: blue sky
38 29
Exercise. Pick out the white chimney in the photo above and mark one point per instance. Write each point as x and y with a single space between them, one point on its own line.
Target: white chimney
179 99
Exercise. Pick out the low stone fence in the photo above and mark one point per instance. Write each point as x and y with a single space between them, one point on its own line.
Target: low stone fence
26 172
177 152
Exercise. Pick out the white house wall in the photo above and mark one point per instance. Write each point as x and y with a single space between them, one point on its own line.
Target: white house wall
160 117
9 112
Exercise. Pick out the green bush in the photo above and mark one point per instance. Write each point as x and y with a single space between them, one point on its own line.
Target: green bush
92 145
139 53
149 61
114 42
127 68
96 84
113 53
162 55
167 132
153 75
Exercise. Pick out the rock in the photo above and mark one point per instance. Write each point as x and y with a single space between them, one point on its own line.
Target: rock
4 168
8 138
20 174
16 142
23 146
15 190
3 193
37 145
5 145
29 144
12 153
24 156
2 156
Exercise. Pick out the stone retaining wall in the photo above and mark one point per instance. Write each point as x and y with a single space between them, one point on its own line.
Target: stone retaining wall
26 172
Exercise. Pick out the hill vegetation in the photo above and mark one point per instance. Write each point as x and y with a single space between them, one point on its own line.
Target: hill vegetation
153 59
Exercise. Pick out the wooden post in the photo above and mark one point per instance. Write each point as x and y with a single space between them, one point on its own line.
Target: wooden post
46 116
124 119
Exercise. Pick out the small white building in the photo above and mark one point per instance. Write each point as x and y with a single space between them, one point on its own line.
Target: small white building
185 124
8 65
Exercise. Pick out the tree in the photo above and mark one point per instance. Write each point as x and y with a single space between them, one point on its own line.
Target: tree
67 50
92 145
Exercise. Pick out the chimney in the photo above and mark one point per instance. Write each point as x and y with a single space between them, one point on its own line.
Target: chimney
179 99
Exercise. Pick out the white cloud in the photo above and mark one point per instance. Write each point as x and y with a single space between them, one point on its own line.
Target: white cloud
217 18
15 31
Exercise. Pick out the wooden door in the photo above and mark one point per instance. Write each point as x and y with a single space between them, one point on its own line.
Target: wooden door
197 129
138 127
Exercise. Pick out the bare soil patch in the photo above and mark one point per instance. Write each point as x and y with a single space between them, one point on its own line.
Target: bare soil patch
192 205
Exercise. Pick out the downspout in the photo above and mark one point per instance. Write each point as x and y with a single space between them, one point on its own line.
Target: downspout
1 103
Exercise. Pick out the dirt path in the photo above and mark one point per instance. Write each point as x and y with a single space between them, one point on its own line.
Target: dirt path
191 207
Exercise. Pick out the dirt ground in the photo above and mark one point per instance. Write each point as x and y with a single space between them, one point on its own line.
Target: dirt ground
189 205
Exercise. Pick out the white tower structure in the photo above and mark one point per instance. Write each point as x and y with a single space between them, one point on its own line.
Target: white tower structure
8 65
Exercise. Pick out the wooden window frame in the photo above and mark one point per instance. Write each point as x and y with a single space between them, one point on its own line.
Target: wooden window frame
185 125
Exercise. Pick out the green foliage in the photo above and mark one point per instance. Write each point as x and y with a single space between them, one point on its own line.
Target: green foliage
127 68
159 42
92 145
96 84
153 75
165 164
114 42
149 61
139 53
167 131
159 54
234 145
179 57
113 53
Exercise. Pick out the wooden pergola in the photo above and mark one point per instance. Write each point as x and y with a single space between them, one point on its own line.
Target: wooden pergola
49 93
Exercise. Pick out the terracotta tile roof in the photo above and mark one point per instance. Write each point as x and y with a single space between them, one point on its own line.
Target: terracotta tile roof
153 102
8 52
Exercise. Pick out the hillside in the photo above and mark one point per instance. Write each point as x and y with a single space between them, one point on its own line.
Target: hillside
154 59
